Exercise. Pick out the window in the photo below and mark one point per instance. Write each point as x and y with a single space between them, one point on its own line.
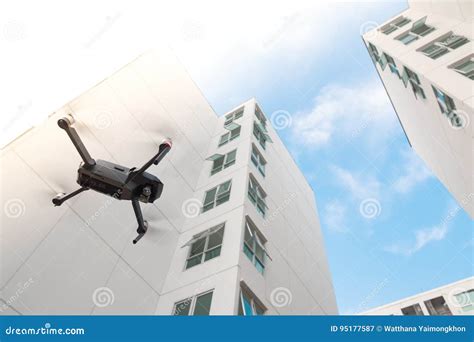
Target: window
409 76
229 118
249 305
260 133
261 118
199 305
205 246
443 45
418 30
254 246
216 196
394 25
374 53
257 195
465 67
438 307
465 300
222 161
448 108
386 59
234 132
258 160
414 310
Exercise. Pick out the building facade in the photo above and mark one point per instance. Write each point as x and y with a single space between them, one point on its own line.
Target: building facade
235 231
453 299
425 59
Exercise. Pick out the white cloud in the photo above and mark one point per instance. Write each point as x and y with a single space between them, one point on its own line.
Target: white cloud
423 237
334 216
414 172
358 186
348 112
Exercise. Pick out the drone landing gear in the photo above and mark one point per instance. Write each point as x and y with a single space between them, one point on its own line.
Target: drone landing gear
142 224
62 197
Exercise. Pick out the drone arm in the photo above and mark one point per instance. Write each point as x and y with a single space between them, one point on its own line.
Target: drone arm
142 225
164 148
65 124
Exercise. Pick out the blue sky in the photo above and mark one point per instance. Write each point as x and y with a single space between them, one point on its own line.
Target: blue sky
345 137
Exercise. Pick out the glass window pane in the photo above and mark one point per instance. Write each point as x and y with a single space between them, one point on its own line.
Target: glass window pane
235 133
182 308
211 254
230 158
260 252
215 239
210 195
218 162
203 305
198 246
224 139
247 236
247 305
248 252
259 310
259 266
196 260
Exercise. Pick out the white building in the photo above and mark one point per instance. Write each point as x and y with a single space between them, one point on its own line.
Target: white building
235 231
453 299
425 59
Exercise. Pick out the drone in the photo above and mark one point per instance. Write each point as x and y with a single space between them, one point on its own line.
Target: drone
115 180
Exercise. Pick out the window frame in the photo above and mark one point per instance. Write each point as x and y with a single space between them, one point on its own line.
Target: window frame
257 241
216 195
206 234
409 76
447 107
257 159
441 47
413 33
229 136
394 25
466 305
261 136
225 161
235 115
464 61
260 116
254 304
192 305
259 199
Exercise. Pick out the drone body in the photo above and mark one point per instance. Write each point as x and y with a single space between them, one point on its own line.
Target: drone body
115 180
